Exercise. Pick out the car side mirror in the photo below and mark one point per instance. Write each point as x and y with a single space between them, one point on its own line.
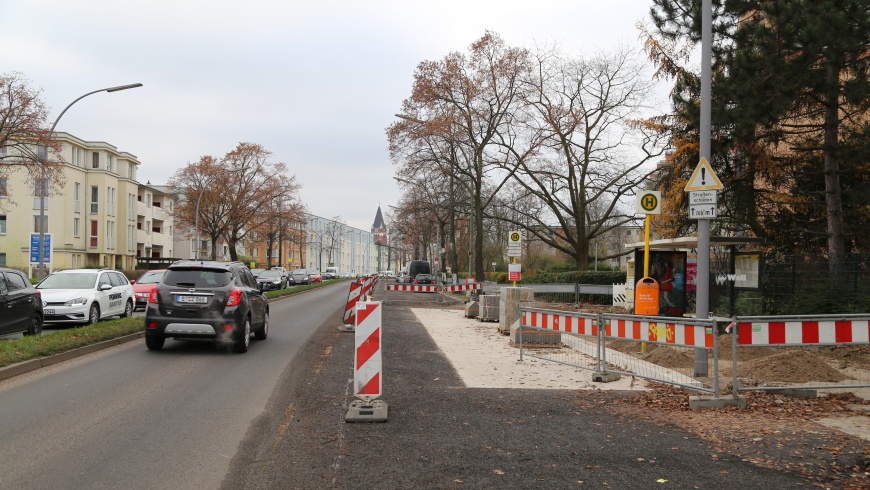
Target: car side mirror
105 287
133 282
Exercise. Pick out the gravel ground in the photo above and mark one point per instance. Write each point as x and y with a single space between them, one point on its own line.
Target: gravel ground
442 434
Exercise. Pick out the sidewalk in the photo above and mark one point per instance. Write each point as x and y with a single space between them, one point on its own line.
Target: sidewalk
445 431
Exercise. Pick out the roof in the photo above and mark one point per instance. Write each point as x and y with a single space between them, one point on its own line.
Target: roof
379 220
692 242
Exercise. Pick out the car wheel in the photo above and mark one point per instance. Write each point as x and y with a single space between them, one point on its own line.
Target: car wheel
244 340
128 310
35 327
153 342
94 313
263 332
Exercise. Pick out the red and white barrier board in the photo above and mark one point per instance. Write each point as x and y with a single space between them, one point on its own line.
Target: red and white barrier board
661 332
419 288
463 287
367 354
353 296
566 322
804 332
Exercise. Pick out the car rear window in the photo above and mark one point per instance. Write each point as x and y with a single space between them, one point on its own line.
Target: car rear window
197 278
150 278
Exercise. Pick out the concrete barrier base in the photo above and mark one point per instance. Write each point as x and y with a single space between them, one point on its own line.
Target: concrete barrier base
698 402
360 411
795 393
608 377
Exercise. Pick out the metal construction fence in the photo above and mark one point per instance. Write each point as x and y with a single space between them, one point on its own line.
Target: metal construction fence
563 293
801 352
439 291
767 353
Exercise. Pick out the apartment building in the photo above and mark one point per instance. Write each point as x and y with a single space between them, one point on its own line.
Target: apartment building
101 216
331 243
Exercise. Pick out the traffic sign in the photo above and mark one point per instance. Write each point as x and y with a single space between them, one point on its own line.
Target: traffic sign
702 211
702 197
34 248
649 202
515 244
703 178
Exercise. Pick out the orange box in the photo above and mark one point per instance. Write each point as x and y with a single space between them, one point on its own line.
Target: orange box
646 297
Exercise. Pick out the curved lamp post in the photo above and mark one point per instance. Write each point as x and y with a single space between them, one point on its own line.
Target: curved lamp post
43 184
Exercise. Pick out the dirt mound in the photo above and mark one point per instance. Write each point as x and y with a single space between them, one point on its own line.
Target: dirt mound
670 358
798 366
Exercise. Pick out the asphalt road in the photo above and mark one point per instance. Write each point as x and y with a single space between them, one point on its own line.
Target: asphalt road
130 418
441 434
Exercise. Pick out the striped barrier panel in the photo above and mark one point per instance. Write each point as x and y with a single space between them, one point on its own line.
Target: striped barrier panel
796 331
353 295
418 288
670 331
566 322
463 287
367 380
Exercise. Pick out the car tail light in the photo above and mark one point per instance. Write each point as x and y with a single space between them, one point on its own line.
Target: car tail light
152 325
235 297
152 297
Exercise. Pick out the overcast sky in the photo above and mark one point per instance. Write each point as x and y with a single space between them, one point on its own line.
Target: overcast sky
316 83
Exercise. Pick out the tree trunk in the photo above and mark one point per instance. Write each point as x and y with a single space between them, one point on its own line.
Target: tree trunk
833 194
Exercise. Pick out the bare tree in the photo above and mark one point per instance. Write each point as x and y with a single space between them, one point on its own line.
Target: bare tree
25 138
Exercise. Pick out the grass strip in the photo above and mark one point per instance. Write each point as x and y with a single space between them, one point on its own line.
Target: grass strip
26 348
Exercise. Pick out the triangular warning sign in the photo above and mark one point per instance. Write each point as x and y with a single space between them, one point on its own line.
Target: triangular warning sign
703 178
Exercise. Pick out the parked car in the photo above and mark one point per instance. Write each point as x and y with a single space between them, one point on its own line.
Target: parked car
143 286
315 276
207 300
418 267
84 296
424 279
299 276
256 272
271 279
20 304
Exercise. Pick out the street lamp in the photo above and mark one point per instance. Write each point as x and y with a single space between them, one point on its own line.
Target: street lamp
43 184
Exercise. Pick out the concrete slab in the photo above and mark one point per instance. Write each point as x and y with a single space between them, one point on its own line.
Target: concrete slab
361 411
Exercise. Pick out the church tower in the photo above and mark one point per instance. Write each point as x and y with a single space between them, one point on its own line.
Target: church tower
379 229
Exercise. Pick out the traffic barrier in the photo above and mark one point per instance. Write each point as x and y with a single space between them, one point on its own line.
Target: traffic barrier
673 331
416 288
463 287
353 296
587 335
761 331
367 379
792 336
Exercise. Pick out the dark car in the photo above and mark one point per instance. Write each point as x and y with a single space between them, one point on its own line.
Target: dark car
207 300
271 280
424 279
418 267
20 304
299 276
143 286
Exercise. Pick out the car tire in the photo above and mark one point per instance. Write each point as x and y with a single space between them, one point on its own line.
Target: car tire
244 339
128 309
93 313
35 327
153 342
263 332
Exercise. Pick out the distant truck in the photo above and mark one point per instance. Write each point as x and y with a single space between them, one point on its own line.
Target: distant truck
418 267
330 273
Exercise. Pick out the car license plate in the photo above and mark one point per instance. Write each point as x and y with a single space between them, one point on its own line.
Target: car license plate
191 299
49 312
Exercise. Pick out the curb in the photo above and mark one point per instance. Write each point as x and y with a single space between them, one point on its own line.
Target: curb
34 364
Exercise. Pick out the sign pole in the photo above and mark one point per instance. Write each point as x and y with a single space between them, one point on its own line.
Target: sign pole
646 247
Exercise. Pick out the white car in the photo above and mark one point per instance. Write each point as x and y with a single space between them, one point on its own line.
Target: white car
83 296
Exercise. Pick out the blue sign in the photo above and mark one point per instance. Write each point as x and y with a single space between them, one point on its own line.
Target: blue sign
34 248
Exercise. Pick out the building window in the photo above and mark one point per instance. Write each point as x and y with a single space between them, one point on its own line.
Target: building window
4 187
36 222
110 162
95 226
111 195
95 198
2 224
148 199
147 227
170 231
76 227
95 160
42 152
77 199
130 168
130 238
110 235
2 259
40 193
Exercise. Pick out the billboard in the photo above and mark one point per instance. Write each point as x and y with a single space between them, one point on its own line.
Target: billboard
670 269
